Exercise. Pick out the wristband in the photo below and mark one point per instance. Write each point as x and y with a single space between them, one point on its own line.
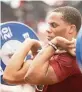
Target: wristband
53 45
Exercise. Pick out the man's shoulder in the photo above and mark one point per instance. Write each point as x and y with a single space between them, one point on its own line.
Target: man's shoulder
64 65
65 59
64 56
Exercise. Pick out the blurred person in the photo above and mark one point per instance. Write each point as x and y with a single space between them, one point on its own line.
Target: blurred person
54 66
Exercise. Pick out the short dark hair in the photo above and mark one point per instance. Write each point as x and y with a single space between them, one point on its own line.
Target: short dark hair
70 15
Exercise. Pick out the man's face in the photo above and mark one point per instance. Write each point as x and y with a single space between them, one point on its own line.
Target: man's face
56 26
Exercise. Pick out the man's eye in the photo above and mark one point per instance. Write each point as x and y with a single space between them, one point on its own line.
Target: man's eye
53 25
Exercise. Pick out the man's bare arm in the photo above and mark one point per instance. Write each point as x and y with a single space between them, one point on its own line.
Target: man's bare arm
20 68
40 67
17 67
39 72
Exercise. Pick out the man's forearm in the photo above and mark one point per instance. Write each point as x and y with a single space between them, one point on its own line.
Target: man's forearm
17 68
40 64
17 59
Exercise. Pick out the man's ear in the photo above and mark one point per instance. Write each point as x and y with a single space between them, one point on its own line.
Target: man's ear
72 29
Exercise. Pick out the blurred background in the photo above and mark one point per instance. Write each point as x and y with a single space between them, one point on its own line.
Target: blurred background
32 13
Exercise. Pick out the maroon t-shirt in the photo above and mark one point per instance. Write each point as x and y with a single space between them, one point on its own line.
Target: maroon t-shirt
68 73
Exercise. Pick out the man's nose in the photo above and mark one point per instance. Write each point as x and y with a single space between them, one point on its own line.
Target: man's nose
48 31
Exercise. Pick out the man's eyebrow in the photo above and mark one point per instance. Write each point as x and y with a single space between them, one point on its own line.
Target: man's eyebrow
54 23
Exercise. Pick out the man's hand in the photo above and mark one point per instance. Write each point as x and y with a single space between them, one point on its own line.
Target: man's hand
65 44
36 45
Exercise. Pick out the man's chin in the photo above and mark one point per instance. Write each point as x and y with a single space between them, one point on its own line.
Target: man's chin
49 39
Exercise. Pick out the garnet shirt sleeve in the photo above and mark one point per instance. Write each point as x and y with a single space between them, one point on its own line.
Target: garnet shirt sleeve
64 65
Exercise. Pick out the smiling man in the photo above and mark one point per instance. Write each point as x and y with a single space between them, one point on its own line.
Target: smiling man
58 72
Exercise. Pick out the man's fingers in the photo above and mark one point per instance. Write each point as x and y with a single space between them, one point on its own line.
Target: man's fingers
72 46
72 41
72 52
